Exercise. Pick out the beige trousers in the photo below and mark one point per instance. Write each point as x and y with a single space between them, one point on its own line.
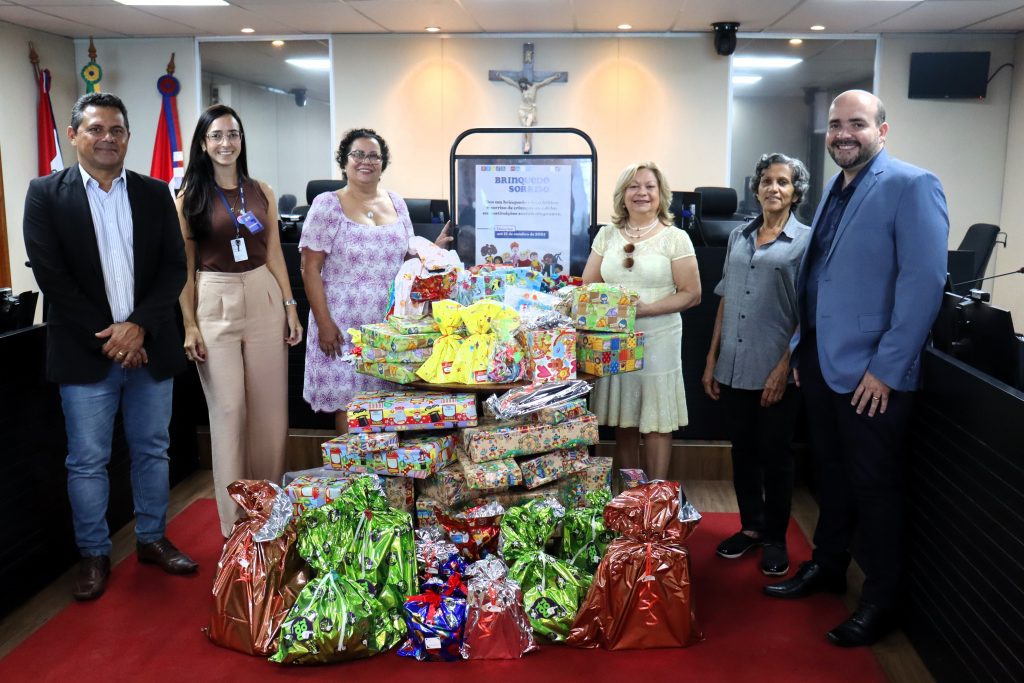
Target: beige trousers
245 378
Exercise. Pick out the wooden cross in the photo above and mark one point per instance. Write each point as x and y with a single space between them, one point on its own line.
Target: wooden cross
528 81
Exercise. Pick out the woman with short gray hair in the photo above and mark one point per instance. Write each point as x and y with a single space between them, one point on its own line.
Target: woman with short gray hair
748 360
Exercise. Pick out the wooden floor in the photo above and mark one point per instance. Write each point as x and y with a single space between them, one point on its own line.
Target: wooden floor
895 653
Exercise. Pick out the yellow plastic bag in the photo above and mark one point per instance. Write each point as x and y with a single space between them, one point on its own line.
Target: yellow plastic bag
473 358
437 369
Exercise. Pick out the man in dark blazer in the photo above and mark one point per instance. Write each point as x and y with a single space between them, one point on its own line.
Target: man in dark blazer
870 286
106 250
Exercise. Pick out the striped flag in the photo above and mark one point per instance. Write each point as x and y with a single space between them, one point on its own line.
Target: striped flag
168 160
49 141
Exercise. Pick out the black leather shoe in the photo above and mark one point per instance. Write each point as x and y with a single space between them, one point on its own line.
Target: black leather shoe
737 544
809 579
774 560
91 581
866 626
164 554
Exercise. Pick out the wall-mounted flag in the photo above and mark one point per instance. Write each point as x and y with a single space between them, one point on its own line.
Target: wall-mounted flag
50 160
91 72
168 161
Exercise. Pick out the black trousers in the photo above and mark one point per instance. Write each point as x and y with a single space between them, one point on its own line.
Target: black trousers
860 467
762 459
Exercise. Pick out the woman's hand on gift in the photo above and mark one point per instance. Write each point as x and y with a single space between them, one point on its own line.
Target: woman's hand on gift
330 339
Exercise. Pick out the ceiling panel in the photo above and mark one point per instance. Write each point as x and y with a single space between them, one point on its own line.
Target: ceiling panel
840 16
62 27
698 15
413 16
1011 21
129 21
316 16
605 15
528 15
941 16
217 20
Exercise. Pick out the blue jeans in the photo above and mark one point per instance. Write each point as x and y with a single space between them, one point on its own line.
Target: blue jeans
89 411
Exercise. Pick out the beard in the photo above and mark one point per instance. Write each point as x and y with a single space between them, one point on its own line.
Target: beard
863 155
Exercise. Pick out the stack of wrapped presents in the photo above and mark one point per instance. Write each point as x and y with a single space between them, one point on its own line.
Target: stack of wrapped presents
441 531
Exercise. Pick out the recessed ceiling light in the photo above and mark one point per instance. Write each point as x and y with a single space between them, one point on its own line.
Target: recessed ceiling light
817 27
174 3
624 27
248 30
765 62
277 43
745 79
796 41
432 29
311 63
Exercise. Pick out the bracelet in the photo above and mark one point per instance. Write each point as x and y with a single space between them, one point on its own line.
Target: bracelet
291 302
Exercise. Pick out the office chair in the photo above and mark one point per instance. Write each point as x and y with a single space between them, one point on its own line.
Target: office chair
314 188
980 240
718 215
428 210
285 203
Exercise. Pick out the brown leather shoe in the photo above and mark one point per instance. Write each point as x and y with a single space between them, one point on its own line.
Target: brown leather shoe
91 581
164 554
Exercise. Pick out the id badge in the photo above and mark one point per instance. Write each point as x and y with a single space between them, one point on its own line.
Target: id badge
249 220
238 250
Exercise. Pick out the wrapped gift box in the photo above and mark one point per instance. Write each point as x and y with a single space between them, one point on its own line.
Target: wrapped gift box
449 487
555 465
396 411
552 354
433 286
315 488
597 476
515 497
399 373
521 298
472 287
338 451
575 408
384 336
372 354
604 308
425 325
426 514
631 478
417 457
502 440
496 474
609 353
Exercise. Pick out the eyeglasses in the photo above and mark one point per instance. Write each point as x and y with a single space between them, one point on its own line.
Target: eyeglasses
116 132
359 155
628 248
230 136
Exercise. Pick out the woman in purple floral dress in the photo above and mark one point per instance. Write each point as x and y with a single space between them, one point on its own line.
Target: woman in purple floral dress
353 242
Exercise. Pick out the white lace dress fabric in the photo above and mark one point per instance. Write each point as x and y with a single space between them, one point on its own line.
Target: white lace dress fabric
652 399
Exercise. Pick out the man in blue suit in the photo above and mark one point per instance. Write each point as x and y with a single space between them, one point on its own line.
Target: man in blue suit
870 287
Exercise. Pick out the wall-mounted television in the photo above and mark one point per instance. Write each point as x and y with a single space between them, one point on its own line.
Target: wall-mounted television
948 75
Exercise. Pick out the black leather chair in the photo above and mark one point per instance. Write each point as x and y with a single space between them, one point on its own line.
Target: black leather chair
428 216
718 215
980 240
286 203
318 187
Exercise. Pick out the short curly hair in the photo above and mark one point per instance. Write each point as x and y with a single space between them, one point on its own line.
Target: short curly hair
800 176
345 146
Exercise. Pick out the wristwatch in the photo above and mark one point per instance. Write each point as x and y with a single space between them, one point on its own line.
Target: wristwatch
291 302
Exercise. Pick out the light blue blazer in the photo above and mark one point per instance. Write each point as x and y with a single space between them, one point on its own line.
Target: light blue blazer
882 281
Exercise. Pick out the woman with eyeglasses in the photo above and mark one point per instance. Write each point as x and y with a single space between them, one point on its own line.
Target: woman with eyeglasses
237 306
642 250
353 242
748 359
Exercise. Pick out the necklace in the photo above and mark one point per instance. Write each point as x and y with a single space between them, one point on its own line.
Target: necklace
640 232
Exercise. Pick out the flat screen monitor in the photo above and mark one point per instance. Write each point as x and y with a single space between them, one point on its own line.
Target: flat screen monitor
524 210
981 336
948 75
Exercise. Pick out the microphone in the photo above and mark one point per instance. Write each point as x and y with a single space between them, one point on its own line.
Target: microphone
990 277
978 294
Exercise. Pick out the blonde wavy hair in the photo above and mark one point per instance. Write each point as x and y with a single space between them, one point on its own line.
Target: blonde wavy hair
619 212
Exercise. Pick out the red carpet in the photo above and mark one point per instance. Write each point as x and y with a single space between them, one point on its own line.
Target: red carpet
146 628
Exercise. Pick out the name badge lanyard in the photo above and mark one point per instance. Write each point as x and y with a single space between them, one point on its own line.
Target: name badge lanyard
238 250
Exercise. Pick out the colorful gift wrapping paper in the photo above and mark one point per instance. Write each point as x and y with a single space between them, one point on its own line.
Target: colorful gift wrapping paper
521 299
425 512
496 623
417 457
384 336
338 451
377 411
470 364
495 441
432 286
517 497
371 354
631 478
438 367
609 353
448 486
434 624
399 373
597 477
552 466
604 308
584 536
552 354
425 325
320 486
575 408
495 474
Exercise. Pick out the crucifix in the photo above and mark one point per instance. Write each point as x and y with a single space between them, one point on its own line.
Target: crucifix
528 82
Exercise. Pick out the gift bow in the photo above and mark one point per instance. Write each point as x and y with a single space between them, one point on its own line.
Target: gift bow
455 584
433 601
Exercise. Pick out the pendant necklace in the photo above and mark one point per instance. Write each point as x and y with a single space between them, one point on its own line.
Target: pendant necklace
640 232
